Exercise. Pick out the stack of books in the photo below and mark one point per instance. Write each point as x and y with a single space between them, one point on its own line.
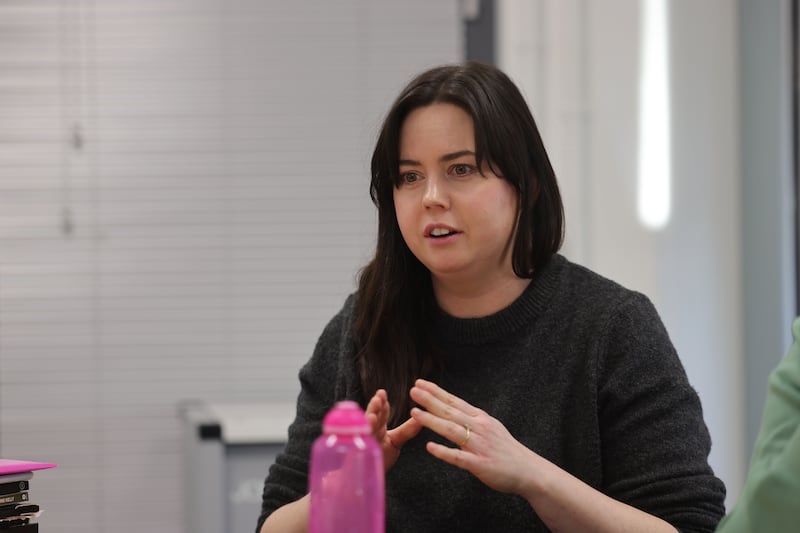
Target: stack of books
18 514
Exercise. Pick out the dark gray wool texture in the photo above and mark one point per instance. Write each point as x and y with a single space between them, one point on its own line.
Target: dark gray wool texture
578 369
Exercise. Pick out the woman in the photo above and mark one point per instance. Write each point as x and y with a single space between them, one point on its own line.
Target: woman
523 392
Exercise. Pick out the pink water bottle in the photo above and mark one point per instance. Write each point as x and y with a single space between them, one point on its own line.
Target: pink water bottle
346 476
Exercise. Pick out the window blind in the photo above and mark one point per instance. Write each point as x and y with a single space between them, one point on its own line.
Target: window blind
183 205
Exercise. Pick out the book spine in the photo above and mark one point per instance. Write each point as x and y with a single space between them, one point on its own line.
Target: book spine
14 486
14 498
17 509
8 478
14 523
25 528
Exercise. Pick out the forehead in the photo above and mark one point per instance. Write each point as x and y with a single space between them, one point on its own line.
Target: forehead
439 127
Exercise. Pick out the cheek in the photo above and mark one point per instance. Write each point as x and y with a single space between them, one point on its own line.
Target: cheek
402 214
503 215
499 205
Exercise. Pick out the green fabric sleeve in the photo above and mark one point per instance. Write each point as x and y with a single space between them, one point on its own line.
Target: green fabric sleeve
771 494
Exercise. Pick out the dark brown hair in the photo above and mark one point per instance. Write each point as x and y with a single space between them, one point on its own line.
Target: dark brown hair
392 335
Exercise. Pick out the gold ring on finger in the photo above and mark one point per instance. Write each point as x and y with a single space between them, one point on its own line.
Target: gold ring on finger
466 437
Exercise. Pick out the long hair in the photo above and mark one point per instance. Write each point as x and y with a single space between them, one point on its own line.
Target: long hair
396 305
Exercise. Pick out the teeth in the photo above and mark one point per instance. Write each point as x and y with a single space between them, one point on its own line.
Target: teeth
438 232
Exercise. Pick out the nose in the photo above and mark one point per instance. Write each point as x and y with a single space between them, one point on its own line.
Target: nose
436 194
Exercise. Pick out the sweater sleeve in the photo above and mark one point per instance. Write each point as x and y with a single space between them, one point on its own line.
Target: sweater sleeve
769 499
654 440
321 385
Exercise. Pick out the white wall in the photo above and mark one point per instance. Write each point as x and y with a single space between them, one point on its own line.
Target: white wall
579 64
183 205
769 198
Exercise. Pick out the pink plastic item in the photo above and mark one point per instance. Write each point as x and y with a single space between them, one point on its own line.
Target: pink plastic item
12 466
346 475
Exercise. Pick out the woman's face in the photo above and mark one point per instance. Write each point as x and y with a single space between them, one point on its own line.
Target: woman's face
456 221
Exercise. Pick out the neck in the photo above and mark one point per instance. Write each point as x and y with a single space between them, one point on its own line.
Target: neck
477 299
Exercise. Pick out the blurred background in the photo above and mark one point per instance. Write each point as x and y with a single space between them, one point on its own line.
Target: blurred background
184 204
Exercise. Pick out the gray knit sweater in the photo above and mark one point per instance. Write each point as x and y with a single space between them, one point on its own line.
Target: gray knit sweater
578 368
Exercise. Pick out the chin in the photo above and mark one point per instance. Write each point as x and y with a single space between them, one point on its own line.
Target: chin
443 270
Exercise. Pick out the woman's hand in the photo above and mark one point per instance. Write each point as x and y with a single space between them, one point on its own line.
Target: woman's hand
390 440
490 453
485 447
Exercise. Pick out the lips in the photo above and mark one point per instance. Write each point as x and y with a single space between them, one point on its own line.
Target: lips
439 231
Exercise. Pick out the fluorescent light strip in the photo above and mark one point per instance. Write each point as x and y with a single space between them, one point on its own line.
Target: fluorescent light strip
655 172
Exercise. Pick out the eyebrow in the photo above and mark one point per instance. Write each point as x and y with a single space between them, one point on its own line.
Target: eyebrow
443 159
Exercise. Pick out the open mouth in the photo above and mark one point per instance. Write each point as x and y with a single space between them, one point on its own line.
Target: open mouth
440 233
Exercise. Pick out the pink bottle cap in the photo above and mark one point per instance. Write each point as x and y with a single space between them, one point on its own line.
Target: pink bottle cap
346 418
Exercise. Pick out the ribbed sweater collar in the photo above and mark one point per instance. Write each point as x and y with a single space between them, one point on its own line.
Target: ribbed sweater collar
502 324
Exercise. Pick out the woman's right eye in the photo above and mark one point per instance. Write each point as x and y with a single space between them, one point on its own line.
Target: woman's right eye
409 178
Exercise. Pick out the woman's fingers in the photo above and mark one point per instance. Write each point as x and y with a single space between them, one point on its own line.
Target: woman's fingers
441 403
404 432
455 432
483 445
454 456
377 412
444 399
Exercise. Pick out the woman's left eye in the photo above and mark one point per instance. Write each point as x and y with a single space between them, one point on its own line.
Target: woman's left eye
462 169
